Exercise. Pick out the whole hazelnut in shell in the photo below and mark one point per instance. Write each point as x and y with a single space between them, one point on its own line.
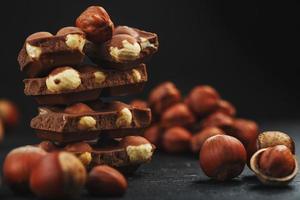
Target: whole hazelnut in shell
58 175
18 166
222 157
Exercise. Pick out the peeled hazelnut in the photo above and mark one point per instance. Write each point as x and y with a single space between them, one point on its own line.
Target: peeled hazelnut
222 157
226 107
18 166
106 181
99 77
203 99
275 165
82 150
138 148
273 138
163 96
75 41
58 175
153 134
136 75
96 23
87 123
219 120
124 118
9 113
176 140
199 138
63 78
139 103
245 131
75 38
177 115
48 146
124 48
78 108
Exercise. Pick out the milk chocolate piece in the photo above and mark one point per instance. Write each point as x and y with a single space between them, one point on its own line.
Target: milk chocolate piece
42 51
110 83
127 48
114 119
110 152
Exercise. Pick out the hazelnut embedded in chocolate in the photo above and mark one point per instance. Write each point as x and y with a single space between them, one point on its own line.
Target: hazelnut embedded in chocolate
138 148
123 48
96 23
163 96
63 78
124 118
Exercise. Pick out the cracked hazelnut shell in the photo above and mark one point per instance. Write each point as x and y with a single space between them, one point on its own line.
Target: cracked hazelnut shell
275 166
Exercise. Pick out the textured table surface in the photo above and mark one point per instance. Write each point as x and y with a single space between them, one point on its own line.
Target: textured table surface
179 177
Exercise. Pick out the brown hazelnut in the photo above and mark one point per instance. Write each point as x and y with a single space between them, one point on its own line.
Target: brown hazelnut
58 175
176 140
273 138
106 181
153 134
226 107
177 115
9 113
18 165
200 137
138 148
203 99
277 161
275 165
78 108
139 103
219 120
163 96
48 146
245 131
222 157
96 23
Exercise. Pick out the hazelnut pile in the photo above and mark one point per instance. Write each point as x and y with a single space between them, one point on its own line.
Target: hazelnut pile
205 124
58 174
9 116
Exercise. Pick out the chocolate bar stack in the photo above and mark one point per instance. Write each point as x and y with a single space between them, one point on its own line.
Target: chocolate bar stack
69 89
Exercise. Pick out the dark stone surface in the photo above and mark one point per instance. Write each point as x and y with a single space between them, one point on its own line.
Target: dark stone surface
179 176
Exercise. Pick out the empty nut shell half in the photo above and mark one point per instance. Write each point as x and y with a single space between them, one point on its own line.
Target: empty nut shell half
268 180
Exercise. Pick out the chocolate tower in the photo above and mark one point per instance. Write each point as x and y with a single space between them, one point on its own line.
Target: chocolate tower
69 89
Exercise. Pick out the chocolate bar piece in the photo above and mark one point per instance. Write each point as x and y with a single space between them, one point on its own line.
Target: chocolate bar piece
66 85
127 153
42 51
127 48
89 121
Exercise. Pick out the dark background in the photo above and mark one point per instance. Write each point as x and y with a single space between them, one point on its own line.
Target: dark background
247 50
